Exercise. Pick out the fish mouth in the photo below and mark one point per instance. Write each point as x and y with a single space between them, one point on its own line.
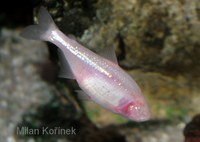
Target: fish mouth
139 113
136 111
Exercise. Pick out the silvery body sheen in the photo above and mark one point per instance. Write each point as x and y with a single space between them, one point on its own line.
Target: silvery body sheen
99 76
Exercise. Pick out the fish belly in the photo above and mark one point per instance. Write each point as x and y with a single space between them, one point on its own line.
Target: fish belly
102 91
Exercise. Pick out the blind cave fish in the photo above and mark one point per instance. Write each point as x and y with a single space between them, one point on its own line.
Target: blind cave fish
99 76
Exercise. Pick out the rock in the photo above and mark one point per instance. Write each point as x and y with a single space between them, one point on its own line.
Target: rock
77 14
21 86
158 35
192 130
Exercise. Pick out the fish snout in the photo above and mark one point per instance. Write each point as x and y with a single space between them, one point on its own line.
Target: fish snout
137 111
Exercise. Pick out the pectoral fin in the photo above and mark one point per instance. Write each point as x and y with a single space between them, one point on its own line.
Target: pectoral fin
82 95
65 71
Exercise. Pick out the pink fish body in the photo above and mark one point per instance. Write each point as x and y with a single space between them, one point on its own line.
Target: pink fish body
100 78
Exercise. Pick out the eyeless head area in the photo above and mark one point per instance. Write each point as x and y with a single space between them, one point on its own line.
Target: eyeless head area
137 111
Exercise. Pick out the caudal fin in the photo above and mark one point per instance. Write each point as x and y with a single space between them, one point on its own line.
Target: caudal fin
41 31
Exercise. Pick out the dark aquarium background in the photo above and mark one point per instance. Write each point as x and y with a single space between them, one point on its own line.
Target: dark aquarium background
157 42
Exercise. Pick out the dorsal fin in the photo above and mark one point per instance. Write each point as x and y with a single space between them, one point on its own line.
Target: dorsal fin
109 53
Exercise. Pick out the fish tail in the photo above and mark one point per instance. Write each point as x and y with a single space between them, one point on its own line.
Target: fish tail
43 29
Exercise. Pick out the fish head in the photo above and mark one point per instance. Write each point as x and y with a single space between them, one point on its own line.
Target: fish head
136 110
